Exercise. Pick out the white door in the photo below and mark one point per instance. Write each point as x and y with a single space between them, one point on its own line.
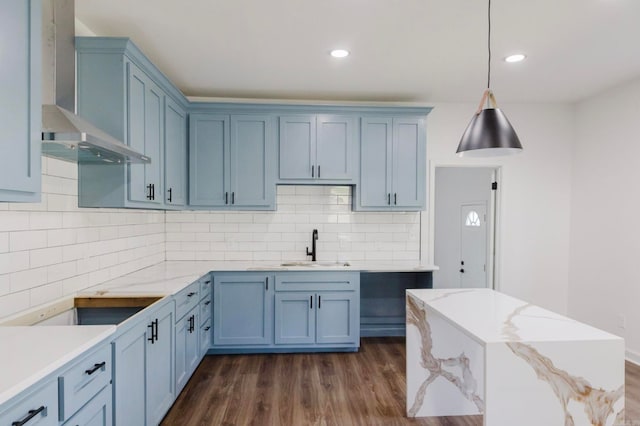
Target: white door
473 245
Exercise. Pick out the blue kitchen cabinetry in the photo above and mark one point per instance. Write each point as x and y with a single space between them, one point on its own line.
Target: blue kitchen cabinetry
392 164
243 309
38 405
175 154
320 309
231 161
125 95
286 311
317 148
143 382
97 412
20 103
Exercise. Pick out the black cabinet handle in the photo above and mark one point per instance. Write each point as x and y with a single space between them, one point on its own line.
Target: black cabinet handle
208 282
193 293
31 414
95 368
207 328
389 198
395 198
233 197
310 302
319 301
462 270
155 333
170 190
266 281
226 198
152 338
149 196
207 302
153 191
318 171
312 171
192 323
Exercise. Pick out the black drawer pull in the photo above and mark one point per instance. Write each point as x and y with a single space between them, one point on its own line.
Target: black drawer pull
191 294
208 282
95 368
31 414
319 301
207 302
207 328
310 302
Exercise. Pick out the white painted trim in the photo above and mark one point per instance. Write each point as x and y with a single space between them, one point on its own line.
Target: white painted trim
632 357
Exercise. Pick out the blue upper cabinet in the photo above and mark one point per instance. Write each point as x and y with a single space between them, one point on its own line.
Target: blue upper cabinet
392 164
175 154
316 149
20 100
231 161
123 93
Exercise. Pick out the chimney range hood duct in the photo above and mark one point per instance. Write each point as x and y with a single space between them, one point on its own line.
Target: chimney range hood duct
65 135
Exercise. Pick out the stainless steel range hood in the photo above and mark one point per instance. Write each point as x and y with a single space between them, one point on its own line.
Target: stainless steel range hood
65 135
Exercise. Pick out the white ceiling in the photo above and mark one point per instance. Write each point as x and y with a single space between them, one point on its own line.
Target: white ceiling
402 50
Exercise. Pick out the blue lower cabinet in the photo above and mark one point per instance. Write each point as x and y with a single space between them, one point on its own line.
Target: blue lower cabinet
316 318
97 412
286 311
143 384
243 309
36 408
187 348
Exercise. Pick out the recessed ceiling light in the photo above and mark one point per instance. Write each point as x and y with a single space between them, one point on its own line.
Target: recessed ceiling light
339 53
518 57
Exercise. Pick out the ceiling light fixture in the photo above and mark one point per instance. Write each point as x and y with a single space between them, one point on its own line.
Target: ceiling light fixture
489 133
518 57
339 53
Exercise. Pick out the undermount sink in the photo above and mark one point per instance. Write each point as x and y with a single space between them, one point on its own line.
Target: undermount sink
315 264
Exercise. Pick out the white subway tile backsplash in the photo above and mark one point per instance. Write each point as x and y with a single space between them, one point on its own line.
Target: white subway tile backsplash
13 262
4 242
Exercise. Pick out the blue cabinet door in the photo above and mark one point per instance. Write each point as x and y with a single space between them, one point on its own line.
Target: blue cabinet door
209 155
252 161
160 390
297 147
334 147
375 162
129 376
409 159
243 309
338 318
20 102
175 154
295 319
187 348
145 103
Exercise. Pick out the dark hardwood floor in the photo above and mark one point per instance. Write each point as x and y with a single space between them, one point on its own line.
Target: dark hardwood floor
364 388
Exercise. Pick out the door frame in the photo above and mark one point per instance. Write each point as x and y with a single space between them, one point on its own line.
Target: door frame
494 221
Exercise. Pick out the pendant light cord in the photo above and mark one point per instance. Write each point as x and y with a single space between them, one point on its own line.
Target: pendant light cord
489 46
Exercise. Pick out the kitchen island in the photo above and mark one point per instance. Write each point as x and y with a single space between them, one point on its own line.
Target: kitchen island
478 351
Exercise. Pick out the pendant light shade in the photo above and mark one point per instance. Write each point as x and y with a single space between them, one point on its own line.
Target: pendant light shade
489 133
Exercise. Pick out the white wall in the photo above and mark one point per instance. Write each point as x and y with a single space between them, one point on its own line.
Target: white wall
605 238
534 195
53 248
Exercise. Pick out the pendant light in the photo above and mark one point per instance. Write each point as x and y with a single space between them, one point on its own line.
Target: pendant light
489 133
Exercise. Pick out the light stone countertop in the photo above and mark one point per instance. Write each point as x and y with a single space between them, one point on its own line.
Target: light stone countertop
29 354
489 316
170 277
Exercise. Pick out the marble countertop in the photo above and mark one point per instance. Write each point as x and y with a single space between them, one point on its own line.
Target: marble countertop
170 277
489 316
29 354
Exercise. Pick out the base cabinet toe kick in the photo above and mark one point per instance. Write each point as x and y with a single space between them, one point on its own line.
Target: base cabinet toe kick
480 352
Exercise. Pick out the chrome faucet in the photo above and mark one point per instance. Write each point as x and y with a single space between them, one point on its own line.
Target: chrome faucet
314 238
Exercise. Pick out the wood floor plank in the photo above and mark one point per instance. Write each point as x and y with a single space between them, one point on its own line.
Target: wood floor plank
366 388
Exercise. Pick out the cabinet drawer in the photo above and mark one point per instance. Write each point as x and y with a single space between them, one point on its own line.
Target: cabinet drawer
187 299
41 407
317 281
96 413
205 286
205 336
83 380
205 309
